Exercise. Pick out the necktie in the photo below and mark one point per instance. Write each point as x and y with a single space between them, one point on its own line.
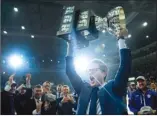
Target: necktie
98 109
93 102
59 95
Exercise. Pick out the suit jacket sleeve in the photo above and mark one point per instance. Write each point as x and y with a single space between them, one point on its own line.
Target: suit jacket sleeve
72 75
51 111
155 101
121 78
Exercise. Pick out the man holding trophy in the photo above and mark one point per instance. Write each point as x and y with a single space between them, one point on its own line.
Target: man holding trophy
98 96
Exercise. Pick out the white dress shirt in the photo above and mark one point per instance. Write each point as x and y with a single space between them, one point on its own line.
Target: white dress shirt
35 111
122 44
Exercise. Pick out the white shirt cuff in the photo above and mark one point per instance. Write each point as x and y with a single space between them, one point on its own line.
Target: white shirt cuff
7 88
20 87
122 44
35 112
28 85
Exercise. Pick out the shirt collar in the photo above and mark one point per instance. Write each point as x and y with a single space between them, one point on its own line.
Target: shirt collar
37 99
102 85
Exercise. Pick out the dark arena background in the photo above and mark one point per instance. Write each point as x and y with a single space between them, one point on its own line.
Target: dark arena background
29 27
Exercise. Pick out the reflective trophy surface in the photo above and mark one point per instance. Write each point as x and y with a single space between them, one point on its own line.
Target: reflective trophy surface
113 22
67 22
116 20
86 25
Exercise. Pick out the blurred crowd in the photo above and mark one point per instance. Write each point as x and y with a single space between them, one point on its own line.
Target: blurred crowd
41 99
24 99
48 99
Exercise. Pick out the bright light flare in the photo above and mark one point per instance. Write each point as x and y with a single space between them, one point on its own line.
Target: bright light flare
5 32
16 9
147 36
145 24
129 36
103 31
32 36
23 27
15 61
81 63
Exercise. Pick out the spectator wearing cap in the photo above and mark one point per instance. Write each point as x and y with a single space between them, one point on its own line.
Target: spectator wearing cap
143 100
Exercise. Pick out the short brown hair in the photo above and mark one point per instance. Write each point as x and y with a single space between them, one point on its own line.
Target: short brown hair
101 64
48 83
67 87
37 86
59 85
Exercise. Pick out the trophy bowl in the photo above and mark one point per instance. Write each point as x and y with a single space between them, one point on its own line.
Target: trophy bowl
116 20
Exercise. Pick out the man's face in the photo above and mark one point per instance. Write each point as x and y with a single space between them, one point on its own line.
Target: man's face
96 75
141 84
65 90
153 86
23 91
133 86
38 93
13 89
46 87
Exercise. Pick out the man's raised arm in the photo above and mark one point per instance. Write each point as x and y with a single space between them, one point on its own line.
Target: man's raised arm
124 70
70 69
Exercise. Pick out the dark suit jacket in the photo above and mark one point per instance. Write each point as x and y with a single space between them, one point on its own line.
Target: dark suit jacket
7 103
65 108
111 95
31 105
52 110
21 100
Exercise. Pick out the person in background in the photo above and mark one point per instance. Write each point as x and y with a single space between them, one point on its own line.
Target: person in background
59 91
37 106
67 102
131 88
46 88
28 80
143 100
153 87
49 105
58 97
7 97
33 105
23 94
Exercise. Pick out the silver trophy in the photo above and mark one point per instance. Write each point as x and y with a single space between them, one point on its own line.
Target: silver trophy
86 25
113 22
101 24
67 22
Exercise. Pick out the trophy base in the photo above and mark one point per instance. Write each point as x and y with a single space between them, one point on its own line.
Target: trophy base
64 36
